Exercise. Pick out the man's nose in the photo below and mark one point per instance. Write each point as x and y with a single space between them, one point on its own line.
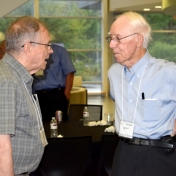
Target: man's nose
112 44
51 51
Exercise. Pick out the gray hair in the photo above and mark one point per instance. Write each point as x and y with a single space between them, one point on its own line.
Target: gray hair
140 25
23 30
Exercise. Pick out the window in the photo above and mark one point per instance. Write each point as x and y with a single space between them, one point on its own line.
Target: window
75 24
163 45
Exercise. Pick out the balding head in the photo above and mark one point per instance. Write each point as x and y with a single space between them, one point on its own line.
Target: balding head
135 22
23 30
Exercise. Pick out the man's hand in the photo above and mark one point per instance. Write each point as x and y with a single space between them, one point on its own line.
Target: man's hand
174 130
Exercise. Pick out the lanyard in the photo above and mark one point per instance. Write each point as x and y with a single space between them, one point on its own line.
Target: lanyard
40 125
137 92
35 107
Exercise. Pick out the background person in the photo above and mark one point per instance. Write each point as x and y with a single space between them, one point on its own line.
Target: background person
22 137
144 90
54 86
2 49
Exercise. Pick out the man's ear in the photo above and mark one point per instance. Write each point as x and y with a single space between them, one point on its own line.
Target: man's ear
27 49
140 40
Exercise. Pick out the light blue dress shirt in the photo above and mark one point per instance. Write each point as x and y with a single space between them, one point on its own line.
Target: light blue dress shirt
59 65
153 116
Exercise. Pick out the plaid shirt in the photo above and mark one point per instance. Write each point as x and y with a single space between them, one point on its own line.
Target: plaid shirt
18 116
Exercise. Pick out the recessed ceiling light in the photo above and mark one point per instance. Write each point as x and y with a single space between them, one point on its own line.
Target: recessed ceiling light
158 7
146 9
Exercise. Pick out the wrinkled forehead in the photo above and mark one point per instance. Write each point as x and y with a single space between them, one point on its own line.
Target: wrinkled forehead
42 29
44 33
120 26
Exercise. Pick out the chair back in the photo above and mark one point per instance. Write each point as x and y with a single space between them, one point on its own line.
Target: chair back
65 156
77 81
76 112
109 144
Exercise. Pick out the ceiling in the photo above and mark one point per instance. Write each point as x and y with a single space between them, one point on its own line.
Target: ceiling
134 5
8 6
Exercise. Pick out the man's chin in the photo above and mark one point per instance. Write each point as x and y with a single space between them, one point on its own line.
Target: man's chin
44 66
118 60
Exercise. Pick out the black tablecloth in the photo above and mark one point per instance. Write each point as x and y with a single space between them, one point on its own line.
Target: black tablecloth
76 128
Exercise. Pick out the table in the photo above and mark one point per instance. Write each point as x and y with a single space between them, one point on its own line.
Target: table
76 128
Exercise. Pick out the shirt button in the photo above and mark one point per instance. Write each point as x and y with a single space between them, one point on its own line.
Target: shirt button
131 100
131 83
138 76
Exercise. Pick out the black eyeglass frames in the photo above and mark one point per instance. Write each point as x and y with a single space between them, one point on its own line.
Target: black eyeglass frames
116 39
49 45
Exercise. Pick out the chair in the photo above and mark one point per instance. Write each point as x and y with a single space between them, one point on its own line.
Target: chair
76 112
108 147
65 157
78 93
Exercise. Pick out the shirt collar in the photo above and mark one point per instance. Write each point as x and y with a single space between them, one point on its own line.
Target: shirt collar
19 68
139 67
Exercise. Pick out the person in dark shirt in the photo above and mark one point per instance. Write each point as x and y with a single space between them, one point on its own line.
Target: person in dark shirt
54 86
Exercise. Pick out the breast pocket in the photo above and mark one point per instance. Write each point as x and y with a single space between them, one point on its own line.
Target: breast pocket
151 109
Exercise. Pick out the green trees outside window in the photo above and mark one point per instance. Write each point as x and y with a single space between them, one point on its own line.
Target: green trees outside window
77 26
164 36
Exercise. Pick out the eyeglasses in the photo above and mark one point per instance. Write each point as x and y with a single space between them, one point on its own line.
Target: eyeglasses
116 39
49 45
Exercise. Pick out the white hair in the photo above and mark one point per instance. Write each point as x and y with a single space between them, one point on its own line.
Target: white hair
139 23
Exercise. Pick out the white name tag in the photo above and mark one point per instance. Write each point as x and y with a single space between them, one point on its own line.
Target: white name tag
126 129
43 137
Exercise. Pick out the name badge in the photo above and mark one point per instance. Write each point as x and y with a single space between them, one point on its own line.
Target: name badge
43 137
126 129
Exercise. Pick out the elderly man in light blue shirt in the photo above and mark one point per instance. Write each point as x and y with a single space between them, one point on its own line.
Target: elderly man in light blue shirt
144 90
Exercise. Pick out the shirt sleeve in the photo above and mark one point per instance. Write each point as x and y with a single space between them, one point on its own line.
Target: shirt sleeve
66 62
7 108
